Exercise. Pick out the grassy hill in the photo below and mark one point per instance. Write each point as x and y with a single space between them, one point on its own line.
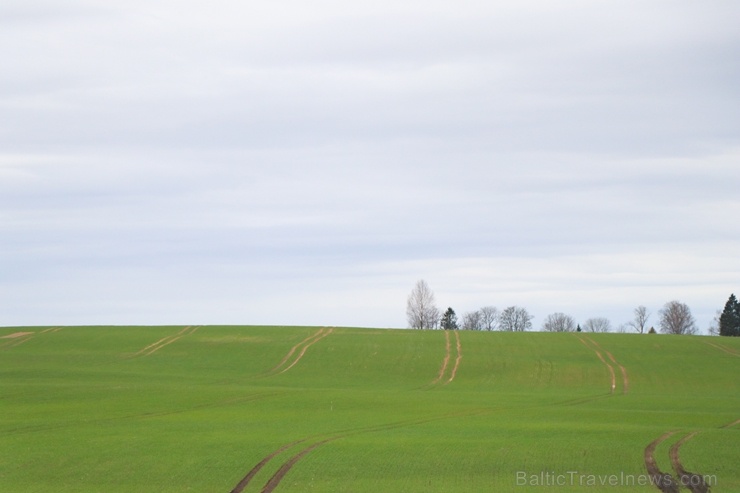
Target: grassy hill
300 409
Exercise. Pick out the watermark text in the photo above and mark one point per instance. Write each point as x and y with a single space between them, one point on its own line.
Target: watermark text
622 479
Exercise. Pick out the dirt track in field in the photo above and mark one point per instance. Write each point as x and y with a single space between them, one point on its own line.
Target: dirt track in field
596 348
694 482
305 348
18 338
723 349
280 474
306 343
295 348
661 480
253 472
458 346
609 367
16 335
283 470
166 341
447 358
625 377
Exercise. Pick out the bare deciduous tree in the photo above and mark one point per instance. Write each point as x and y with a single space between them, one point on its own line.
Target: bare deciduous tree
559 322
472 321
598 324
515 319
489 318
420 310
714 324
676 318
640 321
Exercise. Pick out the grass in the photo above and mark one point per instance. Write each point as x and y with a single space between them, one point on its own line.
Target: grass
163 409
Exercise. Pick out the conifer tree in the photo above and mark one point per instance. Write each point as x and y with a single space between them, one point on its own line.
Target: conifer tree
449 320
729 321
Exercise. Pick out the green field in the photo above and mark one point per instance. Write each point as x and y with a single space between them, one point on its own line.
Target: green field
195 409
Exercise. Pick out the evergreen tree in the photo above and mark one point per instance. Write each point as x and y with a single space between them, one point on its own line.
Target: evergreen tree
729 321
449 320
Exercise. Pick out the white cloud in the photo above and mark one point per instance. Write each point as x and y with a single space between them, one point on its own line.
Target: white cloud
237 158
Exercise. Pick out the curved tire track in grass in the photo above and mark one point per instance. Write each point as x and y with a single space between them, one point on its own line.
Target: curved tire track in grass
51 329
274 481
276 478
458 347
253 472
19 338
295 348
694 482
723 349
622 369
661 480
625 377
305 348
445 361
306 343
165 341
610 367
16 339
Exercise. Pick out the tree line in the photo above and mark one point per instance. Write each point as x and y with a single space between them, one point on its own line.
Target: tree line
674 318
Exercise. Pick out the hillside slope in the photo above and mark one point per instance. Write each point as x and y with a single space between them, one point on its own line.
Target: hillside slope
297 409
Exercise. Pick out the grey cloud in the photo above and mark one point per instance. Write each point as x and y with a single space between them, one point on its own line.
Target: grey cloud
279 148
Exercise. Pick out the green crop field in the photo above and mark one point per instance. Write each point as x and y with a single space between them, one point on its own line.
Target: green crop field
300 409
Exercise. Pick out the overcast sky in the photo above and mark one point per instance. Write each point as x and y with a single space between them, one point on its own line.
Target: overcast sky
292 162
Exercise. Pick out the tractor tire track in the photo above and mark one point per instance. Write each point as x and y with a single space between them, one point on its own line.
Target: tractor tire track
445 361
458 346
288 465
51 329
661 480
165 341
22 337
280 474
276 478
610 367
581 400
305 343
295 348
253 472
305 348
694 482
625 378
17 340
622 369
723 349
